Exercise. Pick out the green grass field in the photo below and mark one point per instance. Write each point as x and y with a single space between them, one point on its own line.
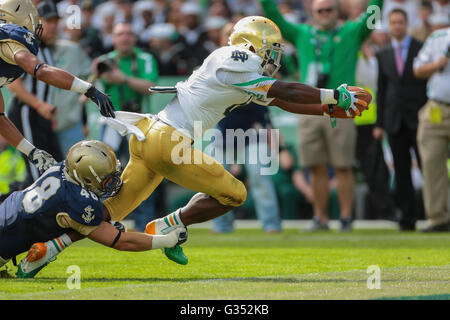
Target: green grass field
249 264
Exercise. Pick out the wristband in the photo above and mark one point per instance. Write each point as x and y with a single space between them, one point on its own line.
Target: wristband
25 146
79 85
327 96
37 68
336 95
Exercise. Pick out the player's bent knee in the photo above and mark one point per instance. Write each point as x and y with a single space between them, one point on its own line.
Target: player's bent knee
236 197
242 196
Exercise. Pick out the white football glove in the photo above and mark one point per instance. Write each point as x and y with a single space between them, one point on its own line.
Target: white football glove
174 237
41 159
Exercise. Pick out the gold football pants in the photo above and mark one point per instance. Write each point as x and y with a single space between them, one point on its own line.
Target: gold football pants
158 157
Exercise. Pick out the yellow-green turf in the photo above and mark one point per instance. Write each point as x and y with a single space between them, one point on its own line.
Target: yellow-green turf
249 264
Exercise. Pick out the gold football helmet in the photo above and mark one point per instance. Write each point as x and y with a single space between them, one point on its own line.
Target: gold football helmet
21 12
93 164
262 36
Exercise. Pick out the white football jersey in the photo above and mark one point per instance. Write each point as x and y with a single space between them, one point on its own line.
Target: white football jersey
228 78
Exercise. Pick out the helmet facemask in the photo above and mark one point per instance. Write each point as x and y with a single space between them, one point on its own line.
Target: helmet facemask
35 28
272 56
112 183
38 31
107 186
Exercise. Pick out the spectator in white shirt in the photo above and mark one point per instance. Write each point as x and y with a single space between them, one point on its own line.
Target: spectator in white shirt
433 136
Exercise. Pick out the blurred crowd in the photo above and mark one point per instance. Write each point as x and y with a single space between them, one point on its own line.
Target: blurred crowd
129 46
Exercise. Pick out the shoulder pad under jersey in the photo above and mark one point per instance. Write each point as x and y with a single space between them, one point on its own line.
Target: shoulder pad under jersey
237 59
21 35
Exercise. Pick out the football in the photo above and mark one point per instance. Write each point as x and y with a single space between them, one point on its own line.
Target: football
363 94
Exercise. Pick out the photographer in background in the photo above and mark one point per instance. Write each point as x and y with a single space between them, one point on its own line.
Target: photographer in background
433 133
126 74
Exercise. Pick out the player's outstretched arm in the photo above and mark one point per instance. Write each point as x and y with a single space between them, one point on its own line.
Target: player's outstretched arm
295 92
108 235
294 97
63 80
313 109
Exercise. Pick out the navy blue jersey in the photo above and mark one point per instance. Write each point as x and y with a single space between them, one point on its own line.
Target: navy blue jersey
29 216
10 72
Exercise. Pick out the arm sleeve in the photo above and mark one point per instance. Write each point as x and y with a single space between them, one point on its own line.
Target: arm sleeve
288 30
9 48
254 84
361 24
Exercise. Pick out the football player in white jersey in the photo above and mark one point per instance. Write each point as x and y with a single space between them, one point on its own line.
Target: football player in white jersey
230 77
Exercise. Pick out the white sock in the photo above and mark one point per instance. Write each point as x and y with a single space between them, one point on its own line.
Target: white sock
58 244
174 219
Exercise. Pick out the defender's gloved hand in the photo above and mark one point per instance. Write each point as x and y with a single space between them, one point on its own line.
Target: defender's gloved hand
102 101
177 236
41 159
174 237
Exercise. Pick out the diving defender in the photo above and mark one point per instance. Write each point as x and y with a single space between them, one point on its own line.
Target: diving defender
68 197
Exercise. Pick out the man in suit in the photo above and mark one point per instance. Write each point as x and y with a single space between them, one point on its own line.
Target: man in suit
400 96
